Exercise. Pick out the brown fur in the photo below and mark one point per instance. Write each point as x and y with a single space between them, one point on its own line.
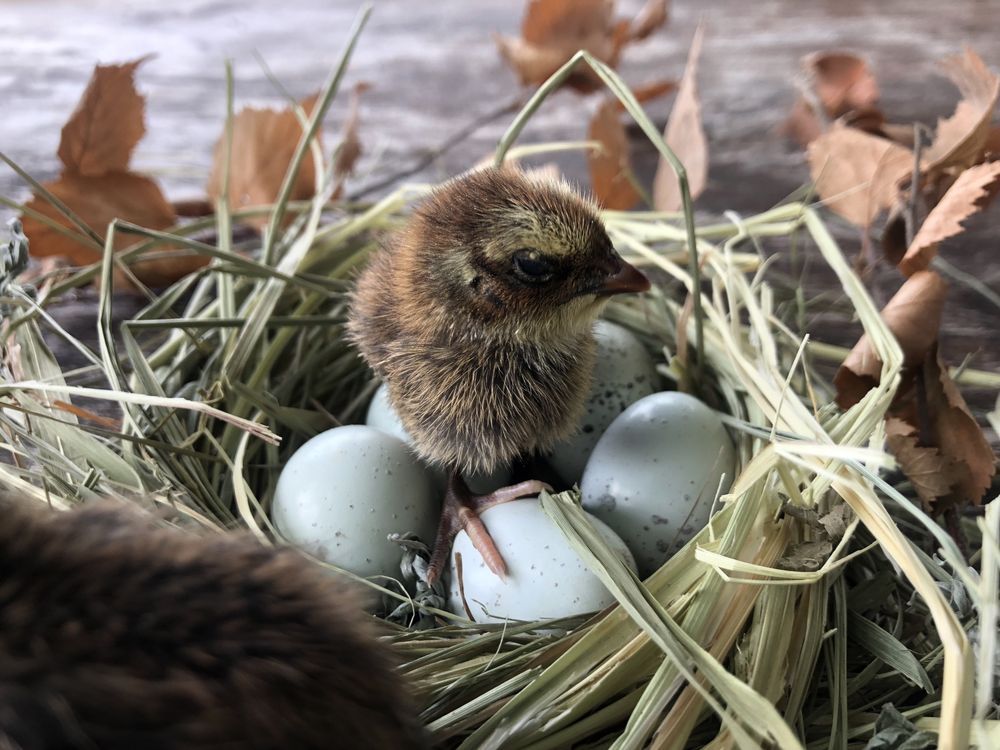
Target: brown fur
115 635
482 366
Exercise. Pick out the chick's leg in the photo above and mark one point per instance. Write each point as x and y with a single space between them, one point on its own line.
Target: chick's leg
461 511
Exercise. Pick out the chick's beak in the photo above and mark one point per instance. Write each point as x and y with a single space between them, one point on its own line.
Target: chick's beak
625 279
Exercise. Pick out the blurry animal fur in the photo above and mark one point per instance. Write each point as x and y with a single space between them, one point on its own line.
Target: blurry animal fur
116 634
481 364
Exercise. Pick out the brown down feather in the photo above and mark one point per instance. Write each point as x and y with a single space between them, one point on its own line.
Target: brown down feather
115 635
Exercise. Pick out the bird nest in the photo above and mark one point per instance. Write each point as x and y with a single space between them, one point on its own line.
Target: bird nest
818 592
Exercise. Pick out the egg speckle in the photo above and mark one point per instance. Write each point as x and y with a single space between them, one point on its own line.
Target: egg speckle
341 508
532 546
654 474
623 373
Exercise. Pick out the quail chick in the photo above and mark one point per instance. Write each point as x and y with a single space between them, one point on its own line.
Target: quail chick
117 635
479 317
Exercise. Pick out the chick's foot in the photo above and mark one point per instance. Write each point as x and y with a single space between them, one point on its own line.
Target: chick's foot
461 511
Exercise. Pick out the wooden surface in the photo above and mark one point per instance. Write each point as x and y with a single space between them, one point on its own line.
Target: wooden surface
434 68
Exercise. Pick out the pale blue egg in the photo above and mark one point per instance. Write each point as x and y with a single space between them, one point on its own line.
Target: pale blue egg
344 491
545 576
623 373
655 473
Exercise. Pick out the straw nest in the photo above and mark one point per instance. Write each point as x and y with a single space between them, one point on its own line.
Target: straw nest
817 594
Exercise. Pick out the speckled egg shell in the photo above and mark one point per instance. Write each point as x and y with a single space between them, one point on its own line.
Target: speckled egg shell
545 577
344 491
623 373
654 474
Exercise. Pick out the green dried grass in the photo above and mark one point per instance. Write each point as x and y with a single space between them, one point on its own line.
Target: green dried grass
720 647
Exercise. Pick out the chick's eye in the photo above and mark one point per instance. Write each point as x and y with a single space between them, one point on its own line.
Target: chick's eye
531 267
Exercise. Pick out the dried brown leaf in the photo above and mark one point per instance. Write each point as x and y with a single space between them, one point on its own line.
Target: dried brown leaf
807 557
534 64
649 91
957 434
97 201
992 147
913 315
553 30
609 167
547 22
107 123
835 522
264 142
931 473
159 269
961 139
802 125
844 86
685 135
650 17
842 81
349 150
95 148
898 132
193 207
970 193
856 174
869 119
893 239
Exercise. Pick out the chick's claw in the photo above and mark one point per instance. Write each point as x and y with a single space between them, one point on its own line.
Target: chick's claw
461 511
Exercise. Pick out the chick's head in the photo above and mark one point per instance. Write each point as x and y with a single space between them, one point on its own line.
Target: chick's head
515 255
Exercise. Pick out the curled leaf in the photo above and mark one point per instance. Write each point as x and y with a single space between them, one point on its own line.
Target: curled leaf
961 139
931 473
107 123
552 31
264 142
685 135
970 193
843 86
856 174
957 433
609 166
913 316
